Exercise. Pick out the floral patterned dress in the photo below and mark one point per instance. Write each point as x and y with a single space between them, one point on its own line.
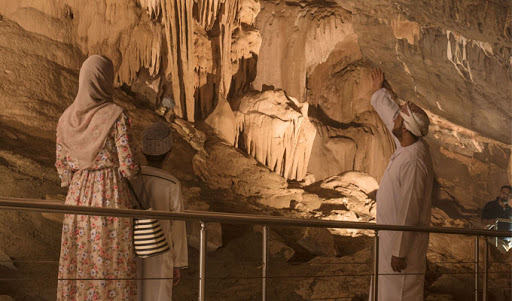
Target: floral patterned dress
97 257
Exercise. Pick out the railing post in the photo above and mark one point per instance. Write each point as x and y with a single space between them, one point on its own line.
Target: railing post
375 282
485 278
264 268
477 262
202 262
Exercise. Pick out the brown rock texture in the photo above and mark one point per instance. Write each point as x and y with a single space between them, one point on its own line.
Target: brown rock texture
271 116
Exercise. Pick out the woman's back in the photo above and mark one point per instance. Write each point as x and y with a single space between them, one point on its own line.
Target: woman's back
93 158
116 153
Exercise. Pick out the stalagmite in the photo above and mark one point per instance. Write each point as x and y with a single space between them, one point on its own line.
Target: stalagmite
222 120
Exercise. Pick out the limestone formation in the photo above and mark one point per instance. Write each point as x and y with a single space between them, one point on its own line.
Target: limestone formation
277 248
276 130
223 121
6 261
359 188
214 230
291 49
318 241
271 116
364 146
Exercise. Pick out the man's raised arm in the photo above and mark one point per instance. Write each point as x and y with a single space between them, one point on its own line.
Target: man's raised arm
382 102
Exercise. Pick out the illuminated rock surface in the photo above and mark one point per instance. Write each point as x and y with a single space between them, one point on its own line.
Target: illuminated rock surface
272 116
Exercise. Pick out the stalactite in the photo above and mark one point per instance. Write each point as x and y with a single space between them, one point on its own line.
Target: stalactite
176 16
153 7
246 43
208 10
276 131
228 22
204 73
182 65
144 50
249 9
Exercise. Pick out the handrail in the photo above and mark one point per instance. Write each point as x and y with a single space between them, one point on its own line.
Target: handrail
25 204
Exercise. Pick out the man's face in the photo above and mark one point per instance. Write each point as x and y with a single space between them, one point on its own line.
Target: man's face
504 195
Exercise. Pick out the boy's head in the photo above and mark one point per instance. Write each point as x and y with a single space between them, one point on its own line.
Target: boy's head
156 143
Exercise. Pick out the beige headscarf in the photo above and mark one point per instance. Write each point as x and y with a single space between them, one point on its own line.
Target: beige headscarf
84 126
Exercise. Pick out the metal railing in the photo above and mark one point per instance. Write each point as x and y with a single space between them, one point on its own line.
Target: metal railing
203 217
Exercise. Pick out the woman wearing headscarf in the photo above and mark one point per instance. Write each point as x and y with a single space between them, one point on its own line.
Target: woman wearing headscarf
93 157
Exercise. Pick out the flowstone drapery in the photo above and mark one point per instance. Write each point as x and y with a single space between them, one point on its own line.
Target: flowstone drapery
275 129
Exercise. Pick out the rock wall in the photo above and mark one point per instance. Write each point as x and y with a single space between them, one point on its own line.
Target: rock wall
311 123
452 64
276 130
172 39
317 53
296 38
456 64
422 45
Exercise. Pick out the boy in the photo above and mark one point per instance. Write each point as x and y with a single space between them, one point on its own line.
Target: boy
163 192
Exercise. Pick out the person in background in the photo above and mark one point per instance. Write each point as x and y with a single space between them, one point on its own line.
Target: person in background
403 198
93 158
499 209
162 191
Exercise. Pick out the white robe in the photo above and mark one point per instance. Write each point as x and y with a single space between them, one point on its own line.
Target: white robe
164 193
404 198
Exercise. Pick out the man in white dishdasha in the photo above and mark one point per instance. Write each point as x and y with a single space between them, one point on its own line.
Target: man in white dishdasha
403 198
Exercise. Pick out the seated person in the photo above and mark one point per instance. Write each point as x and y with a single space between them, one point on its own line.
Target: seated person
499 209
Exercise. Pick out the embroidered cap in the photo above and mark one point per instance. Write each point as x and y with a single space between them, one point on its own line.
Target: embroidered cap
156 139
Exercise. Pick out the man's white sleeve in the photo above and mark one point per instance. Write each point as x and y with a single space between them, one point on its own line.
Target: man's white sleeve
386 108
410 205
179 233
